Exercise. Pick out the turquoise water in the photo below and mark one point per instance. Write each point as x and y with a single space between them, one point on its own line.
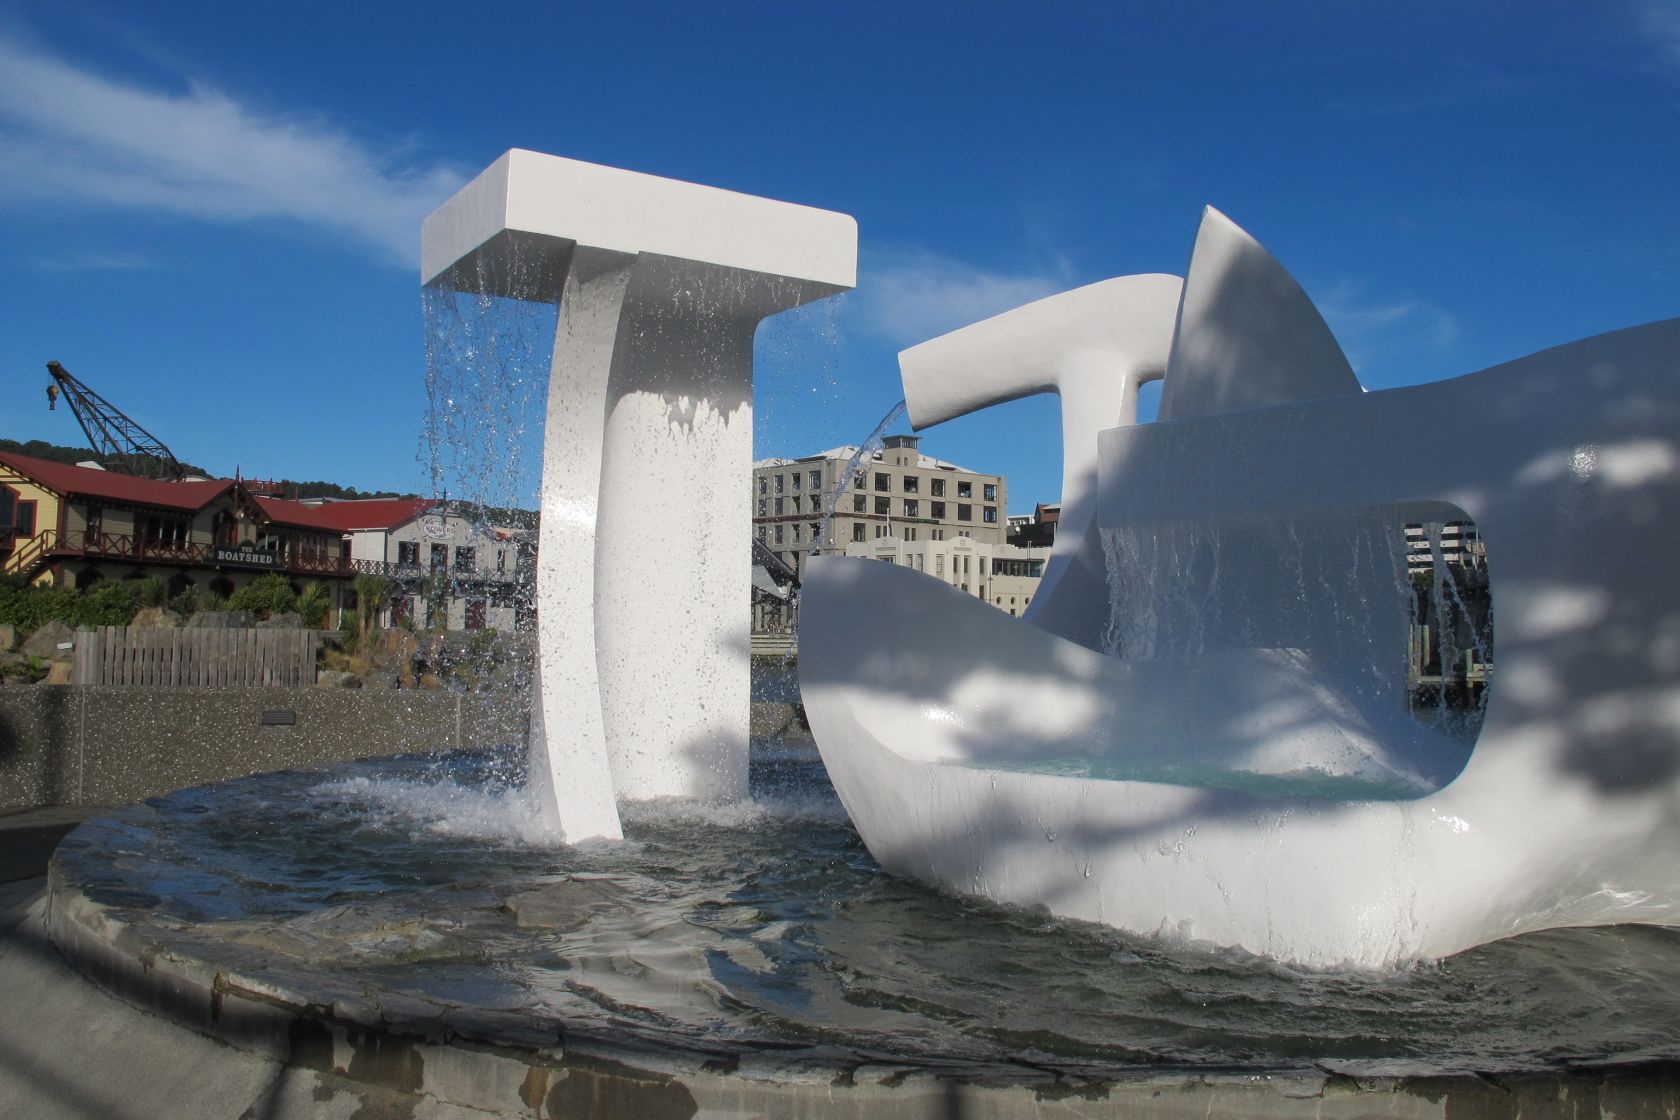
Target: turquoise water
765 924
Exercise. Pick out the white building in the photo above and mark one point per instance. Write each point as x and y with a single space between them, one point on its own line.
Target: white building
1002 574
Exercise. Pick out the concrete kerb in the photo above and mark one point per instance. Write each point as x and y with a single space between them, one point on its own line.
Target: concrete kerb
500 1064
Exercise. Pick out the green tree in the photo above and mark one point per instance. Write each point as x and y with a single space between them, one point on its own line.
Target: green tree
267 595
372 593
313 605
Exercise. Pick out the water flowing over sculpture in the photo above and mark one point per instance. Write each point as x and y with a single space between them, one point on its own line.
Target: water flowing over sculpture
1201 728
643 686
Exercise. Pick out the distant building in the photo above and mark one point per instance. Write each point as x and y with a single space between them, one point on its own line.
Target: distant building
73 526
1003 575
1037 530
895 493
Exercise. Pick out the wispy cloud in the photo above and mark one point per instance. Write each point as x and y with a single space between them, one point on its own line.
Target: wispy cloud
1374 331
1660 22
68 135
906 296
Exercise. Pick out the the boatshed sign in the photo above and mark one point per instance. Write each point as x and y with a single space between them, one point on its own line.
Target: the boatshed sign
244 557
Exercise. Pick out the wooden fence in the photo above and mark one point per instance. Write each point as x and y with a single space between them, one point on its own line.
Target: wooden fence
181 658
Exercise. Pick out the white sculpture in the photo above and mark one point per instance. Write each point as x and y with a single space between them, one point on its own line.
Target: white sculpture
1244 771
642 684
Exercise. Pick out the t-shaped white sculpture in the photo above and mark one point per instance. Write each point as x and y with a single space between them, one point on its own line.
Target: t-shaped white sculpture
643 574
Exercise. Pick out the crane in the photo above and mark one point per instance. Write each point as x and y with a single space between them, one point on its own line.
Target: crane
121 442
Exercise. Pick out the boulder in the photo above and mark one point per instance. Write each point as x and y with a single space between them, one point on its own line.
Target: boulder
58 673
156 618
337 678
47 638
8 637
285 620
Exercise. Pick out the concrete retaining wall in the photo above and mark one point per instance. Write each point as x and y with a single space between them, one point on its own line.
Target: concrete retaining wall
95 745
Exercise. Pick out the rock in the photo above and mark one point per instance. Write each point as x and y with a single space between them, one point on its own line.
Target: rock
46 640
8 637
285 620
156 618
58 673
569 904
337 678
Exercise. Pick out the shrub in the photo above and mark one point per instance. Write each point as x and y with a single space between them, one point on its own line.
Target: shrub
266 596
312 605
154 591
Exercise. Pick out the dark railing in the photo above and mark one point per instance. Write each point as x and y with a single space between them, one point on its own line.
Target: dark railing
298 560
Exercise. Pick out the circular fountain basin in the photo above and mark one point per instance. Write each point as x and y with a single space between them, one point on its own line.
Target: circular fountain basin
403 921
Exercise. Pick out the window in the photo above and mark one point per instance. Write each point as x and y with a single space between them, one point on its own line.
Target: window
797 479
466 559
796 503
778 534
816 530
440 557
408 552
912 507
881 531
762 534
938 511
780 481
501 559
24 519
816 480
965 513
989 492
883 482
988 514
909 533
859 503
816 504
779 506
763 505
965 489
857 531
938 487
939 534
939 565
475 614
763 485
883 505
796 532
912 484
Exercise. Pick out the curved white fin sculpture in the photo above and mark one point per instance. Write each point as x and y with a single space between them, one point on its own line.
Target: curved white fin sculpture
1094 347
643 657
1247 773
1247 335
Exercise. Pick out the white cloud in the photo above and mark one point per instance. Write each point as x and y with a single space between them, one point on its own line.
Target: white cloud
1376 331
1660 21
907 296
69 135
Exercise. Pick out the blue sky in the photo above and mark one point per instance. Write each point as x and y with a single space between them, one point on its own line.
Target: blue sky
211 211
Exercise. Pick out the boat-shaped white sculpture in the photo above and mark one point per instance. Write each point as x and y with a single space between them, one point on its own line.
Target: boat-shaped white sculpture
1215 745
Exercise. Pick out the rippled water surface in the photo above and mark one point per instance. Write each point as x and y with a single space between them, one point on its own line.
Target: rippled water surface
766 922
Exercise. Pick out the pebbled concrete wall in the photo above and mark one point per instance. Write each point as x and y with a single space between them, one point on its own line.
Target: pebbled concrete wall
97 745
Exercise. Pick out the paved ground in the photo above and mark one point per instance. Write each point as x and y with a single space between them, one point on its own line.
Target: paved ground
27 839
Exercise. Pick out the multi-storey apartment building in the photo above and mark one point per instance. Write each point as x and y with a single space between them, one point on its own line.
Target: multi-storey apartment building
896 493
1004 575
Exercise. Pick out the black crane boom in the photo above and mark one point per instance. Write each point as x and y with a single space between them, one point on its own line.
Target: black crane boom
123 444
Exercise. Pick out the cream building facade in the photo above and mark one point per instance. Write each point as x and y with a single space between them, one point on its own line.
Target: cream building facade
896 493
896 505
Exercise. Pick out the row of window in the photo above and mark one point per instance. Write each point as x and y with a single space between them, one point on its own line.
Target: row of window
796 479
466 556
782 508
782 484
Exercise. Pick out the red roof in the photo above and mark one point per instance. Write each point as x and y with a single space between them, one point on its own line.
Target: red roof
91 482
371 513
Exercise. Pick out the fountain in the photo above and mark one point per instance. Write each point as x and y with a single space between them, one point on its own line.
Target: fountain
421 926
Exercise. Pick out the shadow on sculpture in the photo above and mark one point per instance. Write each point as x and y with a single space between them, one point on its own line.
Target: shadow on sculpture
1205 732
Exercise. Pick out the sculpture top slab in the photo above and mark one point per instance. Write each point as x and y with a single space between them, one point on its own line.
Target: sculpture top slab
527 195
